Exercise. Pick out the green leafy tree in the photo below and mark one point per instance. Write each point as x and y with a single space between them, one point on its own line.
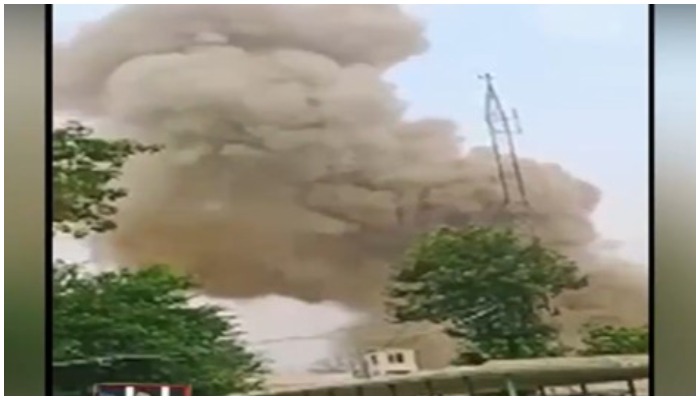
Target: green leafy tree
145 315
129 326
84 169
490 288
610 340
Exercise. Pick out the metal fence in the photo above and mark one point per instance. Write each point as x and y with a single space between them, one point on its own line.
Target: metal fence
576 376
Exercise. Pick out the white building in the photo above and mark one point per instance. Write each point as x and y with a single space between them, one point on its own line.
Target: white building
376 364
388 362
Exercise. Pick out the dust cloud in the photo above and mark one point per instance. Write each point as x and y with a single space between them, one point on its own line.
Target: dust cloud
290 168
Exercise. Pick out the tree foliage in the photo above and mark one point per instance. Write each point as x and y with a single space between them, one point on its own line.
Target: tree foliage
146 312
492 289
84 169
610 340
129 326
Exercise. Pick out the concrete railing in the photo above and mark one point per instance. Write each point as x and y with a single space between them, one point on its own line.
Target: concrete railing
509 377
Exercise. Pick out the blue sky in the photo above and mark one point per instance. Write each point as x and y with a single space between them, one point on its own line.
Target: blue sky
577 74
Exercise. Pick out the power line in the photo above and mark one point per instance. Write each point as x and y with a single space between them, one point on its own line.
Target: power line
433 330
327 334
317 336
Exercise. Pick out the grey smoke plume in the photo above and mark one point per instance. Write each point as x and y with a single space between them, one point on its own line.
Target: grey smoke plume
290 168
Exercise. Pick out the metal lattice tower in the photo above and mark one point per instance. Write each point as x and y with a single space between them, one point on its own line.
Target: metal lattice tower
500 126
515 211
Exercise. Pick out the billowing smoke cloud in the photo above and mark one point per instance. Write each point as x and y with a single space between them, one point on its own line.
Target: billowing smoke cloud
290 168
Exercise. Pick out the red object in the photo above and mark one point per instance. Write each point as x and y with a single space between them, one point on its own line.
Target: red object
141 389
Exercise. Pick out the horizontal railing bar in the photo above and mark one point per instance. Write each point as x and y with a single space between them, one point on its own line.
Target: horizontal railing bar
524 374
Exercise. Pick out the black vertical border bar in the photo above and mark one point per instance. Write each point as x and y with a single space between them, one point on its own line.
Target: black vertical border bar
652 178
48 110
